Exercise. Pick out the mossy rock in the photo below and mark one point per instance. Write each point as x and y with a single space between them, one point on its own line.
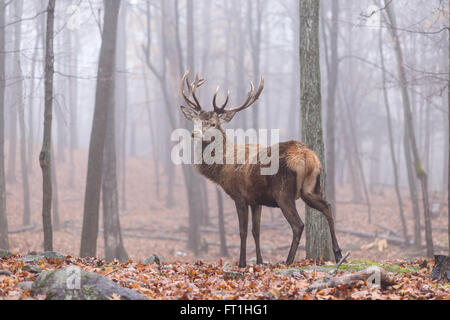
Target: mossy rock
355 265
34 257
73 283
4 254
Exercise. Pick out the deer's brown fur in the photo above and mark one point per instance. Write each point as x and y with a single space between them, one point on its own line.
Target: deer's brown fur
298 176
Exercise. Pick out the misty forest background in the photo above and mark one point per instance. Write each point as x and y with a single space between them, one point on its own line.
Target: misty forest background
108 74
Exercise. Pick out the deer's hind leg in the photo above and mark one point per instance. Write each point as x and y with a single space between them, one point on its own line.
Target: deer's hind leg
256 224
287 206
312 195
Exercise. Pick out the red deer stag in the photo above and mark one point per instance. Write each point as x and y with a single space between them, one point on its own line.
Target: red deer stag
298 175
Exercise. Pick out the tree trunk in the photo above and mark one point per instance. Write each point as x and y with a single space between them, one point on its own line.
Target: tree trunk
4 244
97 144
349 121
448 142
255 46
121 95
19 104
114 248
73 100
31 102
420 172
17 92
45 155
55 190
391 138
331 106
318 241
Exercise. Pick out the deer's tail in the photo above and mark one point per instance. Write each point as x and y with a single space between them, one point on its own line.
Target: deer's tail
305 163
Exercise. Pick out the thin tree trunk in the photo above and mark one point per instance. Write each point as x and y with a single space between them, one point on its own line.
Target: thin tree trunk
114 248
23 159
420 172
4 244
45 155
73 100
97 144
391 139
121 95
31 102
55 198
351 126
448 142
331 106
318 241
17 92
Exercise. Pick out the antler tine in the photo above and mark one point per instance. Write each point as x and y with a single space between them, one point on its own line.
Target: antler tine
197 83
251 97
221 108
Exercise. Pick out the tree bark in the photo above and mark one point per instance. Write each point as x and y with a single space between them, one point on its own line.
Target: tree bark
331 106
73 38
18 6
45 155
97 144
114 248
4 244
318 241
448 142
391 139
420 172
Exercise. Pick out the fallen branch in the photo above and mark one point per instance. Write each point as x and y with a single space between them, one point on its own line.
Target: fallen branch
373 273
23 229
335 270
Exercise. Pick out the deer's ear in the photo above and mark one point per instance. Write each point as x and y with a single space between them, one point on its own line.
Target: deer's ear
189 113
227 116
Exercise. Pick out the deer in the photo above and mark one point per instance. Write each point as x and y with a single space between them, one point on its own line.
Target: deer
298 174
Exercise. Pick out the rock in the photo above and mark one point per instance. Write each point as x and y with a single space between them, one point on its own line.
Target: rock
5 273
73 283
232 275
31 268
151 260
252 262
5 254
25 285
36 257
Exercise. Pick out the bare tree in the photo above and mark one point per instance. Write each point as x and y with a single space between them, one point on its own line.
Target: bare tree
45 155
331 105
4 244
420 172
104 91
391 138
318 241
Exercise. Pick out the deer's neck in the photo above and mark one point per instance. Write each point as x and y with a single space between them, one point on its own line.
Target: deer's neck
213 171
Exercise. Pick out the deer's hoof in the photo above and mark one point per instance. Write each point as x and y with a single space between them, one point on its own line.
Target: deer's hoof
338 256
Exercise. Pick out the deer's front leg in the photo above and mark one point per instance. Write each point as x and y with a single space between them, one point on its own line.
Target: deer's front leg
242 211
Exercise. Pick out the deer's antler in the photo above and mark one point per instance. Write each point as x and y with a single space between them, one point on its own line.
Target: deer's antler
192 88
251 99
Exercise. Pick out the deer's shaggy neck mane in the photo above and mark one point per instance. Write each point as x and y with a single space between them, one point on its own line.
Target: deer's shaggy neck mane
214 171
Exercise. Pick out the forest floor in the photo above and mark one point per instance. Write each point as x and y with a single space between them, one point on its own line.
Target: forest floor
150 226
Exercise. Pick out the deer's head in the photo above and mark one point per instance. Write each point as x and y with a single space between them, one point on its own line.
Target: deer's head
206 120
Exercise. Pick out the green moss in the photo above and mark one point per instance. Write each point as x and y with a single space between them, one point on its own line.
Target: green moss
47 277
355 265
